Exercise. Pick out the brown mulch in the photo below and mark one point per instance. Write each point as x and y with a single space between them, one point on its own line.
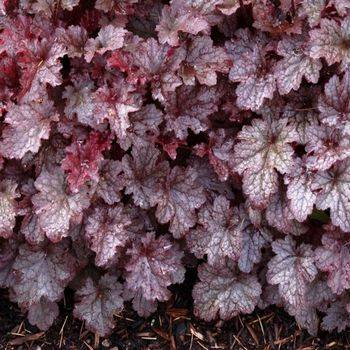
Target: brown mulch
172 327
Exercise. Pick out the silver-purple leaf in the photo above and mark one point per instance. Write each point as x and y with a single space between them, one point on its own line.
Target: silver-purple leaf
328 41
178 200
295 65
144 172
97 302
333 192
111 181
254 239
202 62
8 207
109 38
43 313
54 206
337 317
292 269
107 231
251 70
42 271
280 216
299 191
179 17
219 233
334 105
333 257
221 291
263 149
27 125
155 264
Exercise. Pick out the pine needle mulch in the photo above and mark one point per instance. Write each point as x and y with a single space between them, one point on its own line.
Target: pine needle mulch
172 327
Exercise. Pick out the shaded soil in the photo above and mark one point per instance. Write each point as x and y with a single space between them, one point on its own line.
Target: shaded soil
171 327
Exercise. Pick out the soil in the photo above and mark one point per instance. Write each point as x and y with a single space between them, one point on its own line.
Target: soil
173 326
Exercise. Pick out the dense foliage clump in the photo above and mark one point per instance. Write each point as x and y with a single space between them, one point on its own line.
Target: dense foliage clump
143 138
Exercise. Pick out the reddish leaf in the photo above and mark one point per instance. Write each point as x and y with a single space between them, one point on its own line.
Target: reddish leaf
82 161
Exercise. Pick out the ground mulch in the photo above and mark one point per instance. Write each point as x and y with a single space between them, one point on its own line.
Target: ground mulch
171 327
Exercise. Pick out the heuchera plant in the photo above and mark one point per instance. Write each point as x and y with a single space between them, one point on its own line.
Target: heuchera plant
140 139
